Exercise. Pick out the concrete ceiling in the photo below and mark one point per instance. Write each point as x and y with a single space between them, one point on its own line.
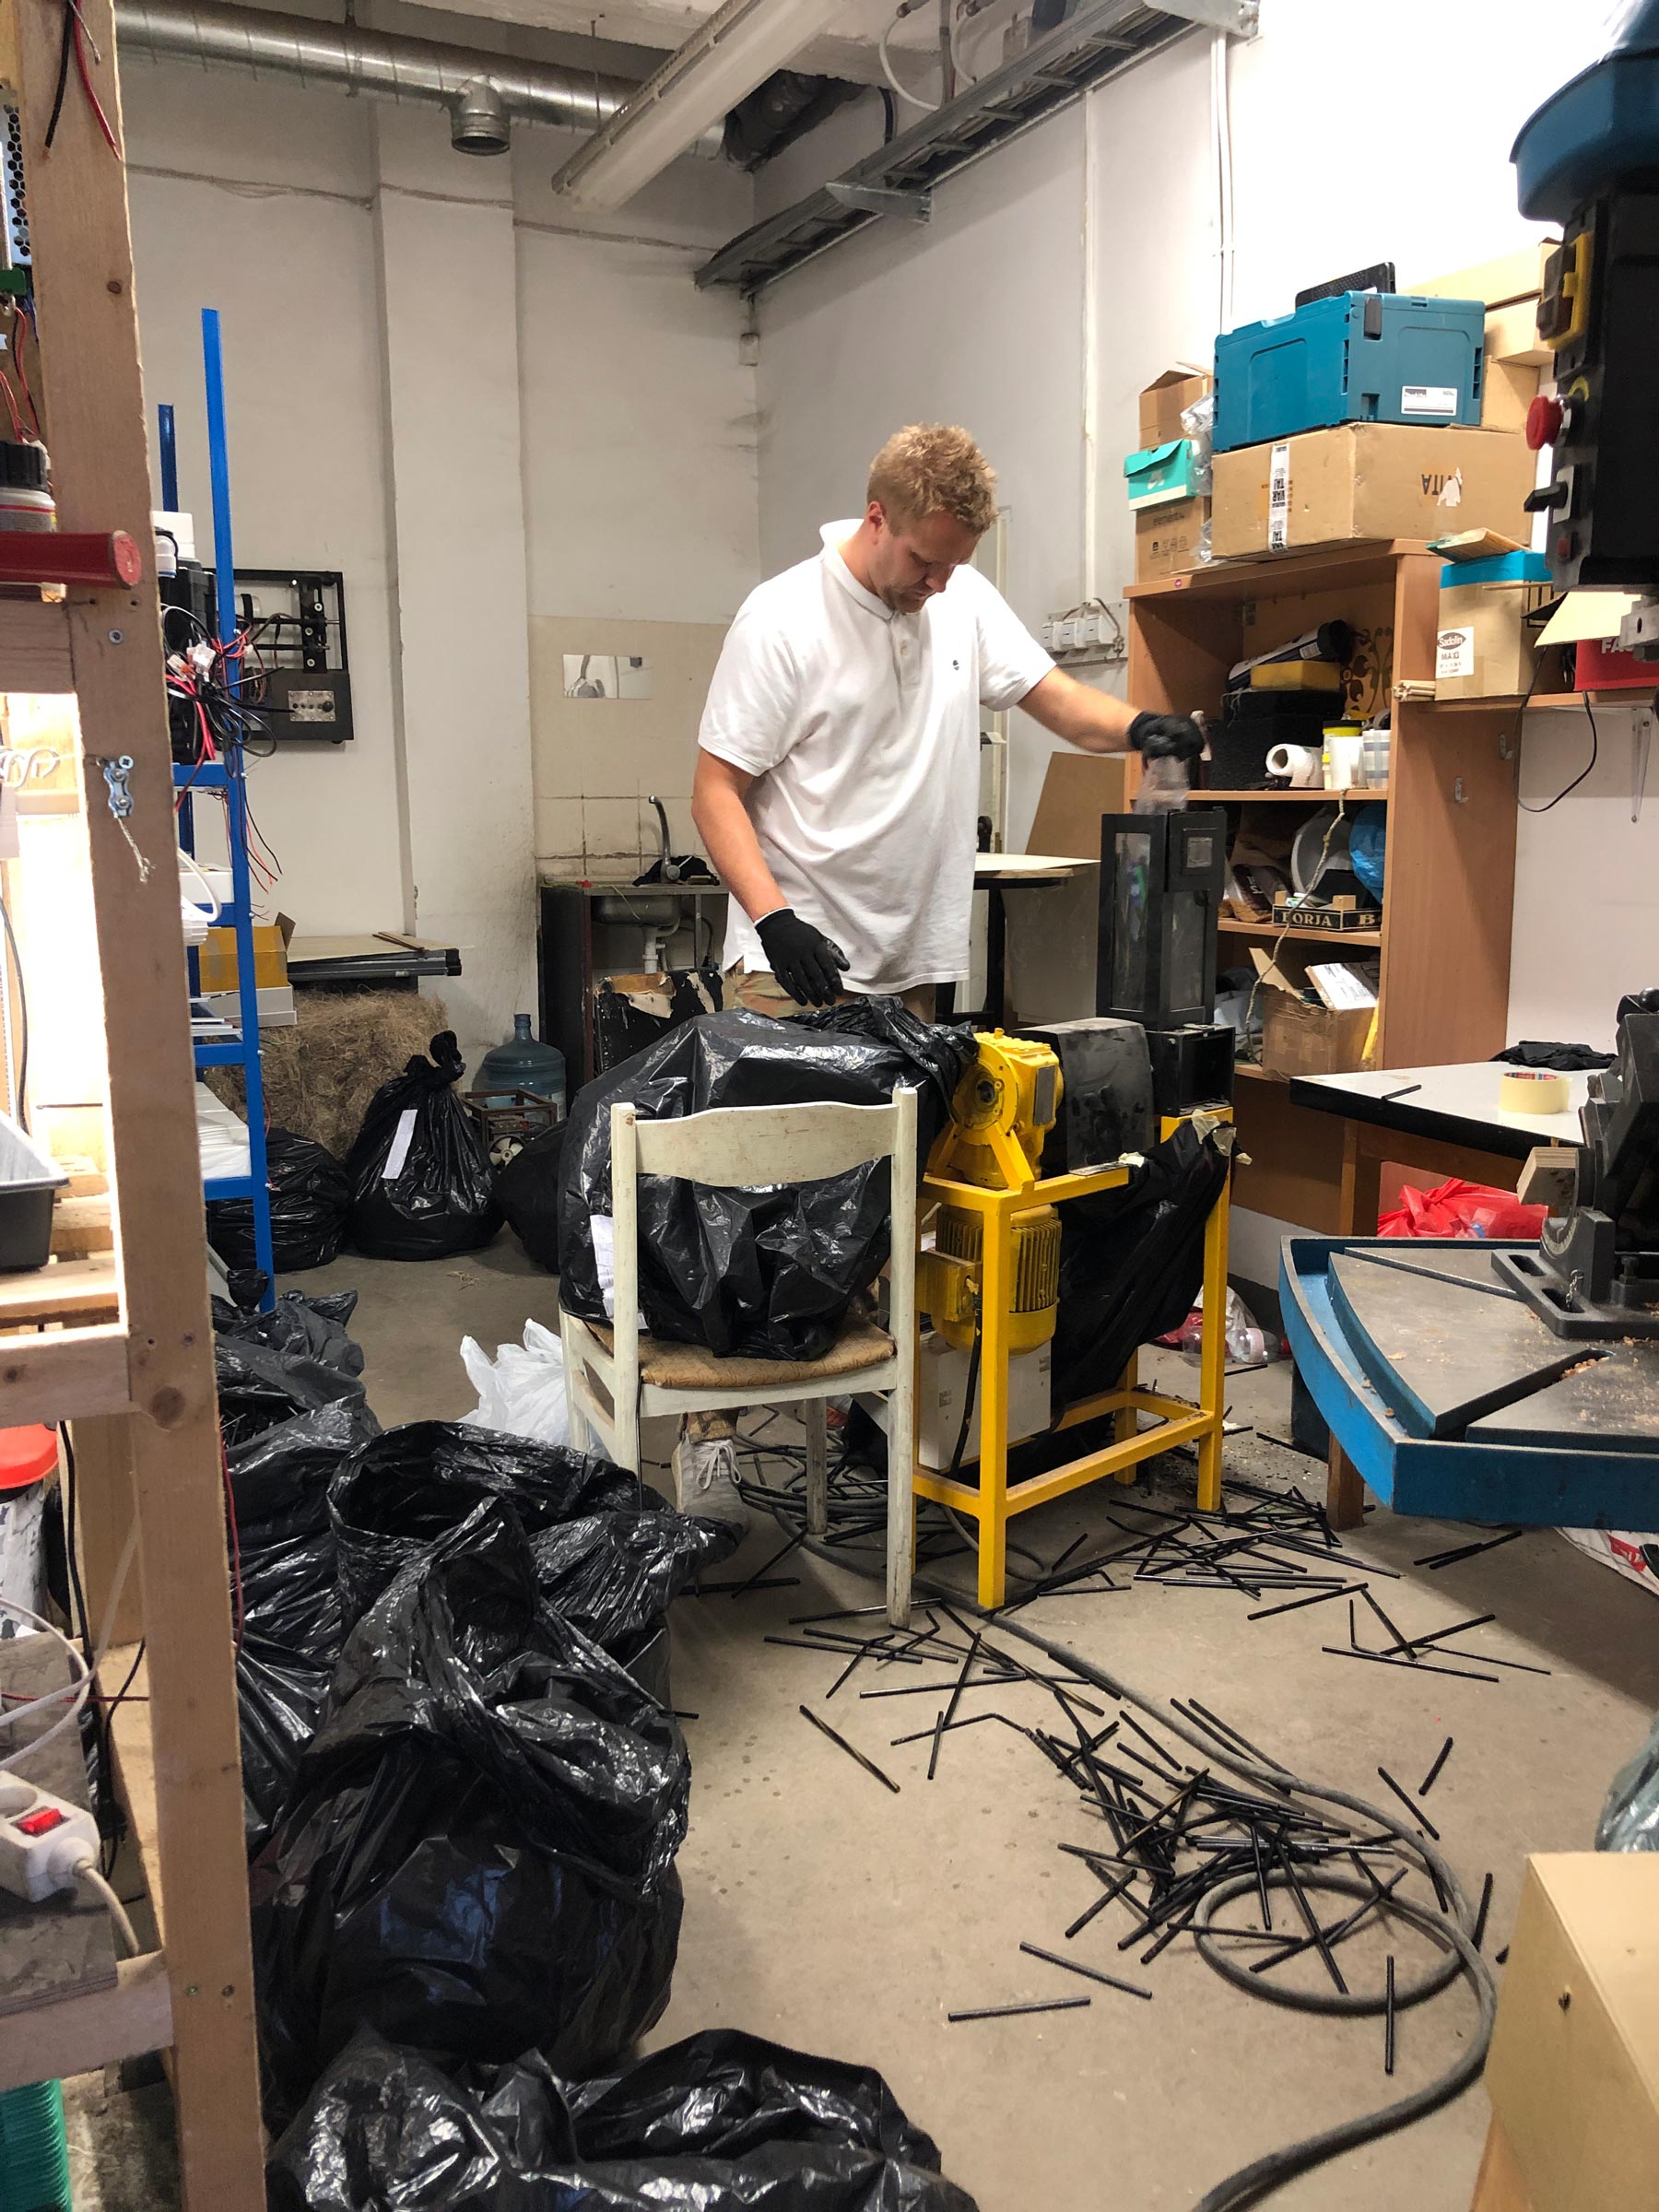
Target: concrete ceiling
662 25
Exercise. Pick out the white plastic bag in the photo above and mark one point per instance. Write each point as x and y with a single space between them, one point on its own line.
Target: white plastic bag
521 1391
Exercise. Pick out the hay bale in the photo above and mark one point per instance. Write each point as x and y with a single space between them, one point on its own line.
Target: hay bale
320 1075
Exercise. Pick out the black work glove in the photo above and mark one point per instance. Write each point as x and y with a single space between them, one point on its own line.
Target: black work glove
804 961
1166 738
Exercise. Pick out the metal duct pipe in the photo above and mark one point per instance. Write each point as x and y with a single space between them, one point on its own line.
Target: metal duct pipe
483 92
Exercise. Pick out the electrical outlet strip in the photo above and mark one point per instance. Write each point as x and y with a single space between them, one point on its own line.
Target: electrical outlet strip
43 1840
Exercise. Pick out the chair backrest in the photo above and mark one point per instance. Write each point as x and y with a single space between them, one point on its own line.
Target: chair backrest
736 1147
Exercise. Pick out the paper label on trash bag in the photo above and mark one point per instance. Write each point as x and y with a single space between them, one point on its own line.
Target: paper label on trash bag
1428 399
603 1230
400 1144
1455 655
1279 499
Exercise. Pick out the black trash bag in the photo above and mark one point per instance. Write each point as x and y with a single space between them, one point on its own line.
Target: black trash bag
405 1491
478 1856
273 1366
528 1189
293 1622
420 1171
720 2123
1131 1262
308 1197
614 1574
769 1273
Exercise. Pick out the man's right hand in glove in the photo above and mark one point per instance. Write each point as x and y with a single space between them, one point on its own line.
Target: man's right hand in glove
1166 738
804 961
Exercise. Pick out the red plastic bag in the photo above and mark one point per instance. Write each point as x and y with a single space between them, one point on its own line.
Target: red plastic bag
1463 1210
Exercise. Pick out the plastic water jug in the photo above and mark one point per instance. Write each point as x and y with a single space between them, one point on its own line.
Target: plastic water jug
522 1063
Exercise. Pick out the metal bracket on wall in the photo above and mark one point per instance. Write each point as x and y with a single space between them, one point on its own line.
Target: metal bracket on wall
1099 40
1641 740
882 199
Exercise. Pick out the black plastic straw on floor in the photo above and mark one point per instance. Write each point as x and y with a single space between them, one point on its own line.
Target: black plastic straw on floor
1405 1666
1295 1603
1008 2012
1388 2020
1481 1917
776 1560
1075 1966
1441 1757
948 1714
1254 1751
1401 1643
1416 1811
852 1751
1467 1551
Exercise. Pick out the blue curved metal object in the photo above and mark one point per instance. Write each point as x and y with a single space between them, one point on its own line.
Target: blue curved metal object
1452 1478
1602 124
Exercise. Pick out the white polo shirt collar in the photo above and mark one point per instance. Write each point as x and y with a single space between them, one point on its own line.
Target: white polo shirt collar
835 535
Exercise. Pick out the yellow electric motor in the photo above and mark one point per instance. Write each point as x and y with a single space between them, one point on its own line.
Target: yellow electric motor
1004 1109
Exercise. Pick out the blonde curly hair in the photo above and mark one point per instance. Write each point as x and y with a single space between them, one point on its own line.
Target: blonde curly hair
935 469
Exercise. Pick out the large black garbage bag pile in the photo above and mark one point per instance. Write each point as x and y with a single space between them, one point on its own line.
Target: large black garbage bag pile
272 1366
719 2123
414 1485
309 1196
477 1858
610 1556
769 1272
1131 1262
420 1170
292 1620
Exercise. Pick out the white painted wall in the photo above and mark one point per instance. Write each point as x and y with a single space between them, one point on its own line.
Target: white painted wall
489 414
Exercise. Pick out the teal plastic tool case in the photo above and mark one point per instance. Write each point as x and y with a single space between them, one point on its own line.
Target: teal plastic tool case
1355 357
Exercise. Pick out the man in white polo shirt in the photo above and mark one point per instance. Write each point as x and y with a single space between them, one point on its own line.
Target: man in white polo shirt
836 785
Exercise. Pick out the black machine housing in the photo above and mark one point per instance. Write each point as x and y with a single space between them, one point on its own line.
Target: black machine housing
1160 891
1595 1273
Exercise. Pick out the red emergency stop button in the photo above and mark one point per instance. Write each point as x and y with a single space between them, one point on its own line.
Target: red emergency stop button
1543 422
41 1823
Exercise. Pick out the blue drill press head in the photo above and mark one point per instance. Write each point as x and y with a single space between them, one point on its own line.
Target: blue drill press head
1602 125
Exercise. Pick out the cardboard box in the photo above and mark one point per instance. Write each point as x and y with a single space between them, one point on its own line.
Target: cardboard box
1077 789
1161 402
218 958
1517 276
1507 390
1301 1040
1512 336
1170 540
1484 649
1369 481
1159 476
1573 2074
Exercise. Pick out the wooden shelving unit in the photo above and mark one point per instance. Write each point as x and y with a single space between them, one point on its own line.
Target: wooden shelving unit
1449 882
121 1346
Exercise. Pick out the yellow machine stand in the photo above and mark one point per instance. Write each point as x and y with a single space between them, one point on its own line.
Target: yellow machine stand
992 1275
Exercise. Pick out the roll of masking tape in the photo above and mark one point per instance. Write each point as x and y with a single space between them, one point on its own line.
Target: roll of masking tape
1532 1090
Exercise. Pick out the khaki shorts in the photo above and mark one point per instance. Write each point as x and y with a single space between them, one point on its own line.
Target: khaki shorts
760 993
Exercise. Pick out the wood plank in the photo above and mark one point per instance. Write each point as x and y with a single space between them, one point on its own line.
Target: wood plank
62 1291
34 646
41 1374
1499 2186
83 269
1267 575
104 1508
136 1764
81 1226
81 2034
1450 871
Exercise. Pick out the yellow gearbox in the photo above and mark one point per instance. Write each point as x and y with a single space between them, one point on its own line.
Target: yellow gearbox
1004 1109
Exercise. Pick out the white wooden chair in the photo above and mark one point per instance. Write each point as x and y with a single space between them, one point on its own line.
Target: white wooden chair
615 1377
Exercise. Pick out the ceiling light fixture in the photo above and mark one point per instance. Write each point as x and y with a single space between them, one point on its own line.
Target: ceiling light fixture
737 49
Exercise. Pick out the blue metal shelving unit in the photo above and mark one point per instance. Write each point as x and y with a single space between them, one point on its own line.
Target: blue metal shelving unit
227 777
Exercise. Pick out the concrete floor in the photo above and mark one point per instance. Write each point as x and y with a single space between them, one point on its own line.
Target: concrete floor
823 1912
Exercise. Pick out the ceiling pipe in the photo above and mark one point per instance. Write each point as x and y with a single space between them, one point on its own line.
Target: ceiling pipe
485 93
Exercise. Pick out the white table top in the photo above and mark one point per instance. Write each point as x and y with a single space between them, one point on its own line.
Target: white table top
1468 1090
1020 867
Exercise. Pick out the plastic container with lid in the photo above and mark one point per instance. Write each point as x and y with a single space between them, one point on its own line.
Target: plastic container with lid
26 500
29 1457
520 1062
29 1182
